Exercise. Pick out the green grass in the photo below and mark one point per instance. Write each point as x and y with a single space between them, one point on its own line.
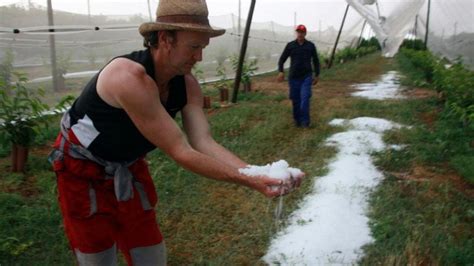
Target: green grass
203 221
213 223
422 213
234 224
418 222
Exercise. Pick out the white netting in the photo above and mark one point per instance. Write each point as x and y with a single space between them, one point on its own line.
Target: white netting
392 27
85 43
451 30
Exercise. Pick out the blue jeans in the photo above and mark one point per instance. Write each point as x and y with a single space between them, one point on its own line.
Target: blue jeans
300 95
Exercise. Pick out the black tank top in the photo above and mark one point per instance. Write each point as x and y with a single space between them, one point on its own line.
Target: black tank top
108 132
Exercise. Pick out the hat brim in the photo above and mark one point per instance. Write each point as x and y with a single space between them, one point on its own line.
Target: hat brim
148 27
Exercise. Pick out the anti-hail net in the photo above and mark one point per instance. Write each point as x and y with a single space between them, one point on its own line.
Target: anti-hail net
84 43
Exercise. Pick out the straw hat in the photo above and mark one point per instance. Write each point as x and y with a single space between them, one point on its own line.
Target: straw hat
187 15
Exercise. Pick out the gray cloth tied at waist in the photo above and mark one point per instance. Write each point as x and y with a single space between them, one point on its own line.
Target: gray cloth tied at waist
119 172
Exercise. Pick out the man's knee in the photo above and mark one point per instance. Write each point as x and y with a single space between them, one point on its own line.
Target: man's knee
107 257
149 256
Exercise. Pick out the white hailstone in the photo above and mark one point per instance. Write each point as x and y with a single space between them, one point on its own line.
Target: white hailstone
295 171
278 170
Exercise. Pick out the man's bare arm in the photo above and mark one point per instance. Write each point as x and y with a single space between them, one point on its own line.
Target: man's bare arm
197 128
126 85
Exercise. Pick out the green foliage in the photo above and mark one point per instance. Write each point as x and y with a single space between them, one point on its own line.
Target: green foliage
463 164
372 42
455 83
345 55
198 73
422 62
223 82
452 134
248 68
457 86
417 44
22 112
6 66
348 53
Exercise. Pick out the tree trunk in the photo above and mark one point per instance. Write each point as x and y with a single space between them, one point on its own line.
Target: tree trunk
207 102
224 94
14 158
61 82
19 158
248 87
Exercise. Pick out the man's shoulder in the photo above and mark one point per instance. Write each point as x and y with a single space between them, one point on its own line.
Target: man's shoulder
122 65
310 43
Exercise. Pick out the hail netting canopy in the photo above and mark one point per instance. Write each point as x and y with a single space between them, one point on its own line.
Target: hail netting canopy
89 33
451 30
390 28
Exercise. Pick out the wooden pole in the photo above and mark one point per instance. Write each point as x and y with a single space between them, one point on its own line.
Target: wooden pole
52 49
427 24
243 50
337 39
89 11
149 11
239 29
294 20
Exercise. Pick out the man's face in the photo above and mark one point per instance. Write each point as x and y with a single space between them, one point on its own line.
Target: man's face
187 50
300 35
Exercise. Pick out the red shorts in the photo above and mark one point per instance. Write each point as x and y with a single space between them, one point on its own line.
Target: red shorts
93 228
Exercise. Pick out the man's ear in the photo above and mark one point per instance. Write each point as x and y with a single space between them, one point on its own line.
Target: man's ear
165 40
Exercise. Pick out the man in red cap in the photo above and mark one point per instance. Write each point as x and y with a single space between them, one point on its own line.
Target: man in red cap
302 52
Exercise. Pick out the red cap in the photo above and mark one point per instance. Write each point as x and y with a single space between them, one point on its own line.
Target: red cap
301 28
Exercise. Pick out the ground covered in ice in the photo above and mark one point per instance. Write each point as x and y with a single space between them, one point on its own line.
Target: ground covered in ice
388 87
330 226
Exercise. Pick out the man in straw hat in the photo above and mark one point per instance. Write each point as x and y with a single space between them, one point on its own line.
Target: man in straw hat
106 194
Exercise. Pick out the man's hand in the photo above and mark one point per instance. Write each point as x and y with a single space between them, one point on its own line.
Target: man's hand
281 77
272 187
315 81
296 181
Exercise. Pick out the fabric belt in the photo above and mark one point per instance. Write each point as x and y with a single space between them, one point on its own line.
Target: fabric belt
122 177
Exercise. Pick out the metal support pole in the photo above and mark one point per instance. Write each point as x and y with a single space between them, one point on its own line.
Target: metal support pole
427 24
243 50
361 32
337 39
415 32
